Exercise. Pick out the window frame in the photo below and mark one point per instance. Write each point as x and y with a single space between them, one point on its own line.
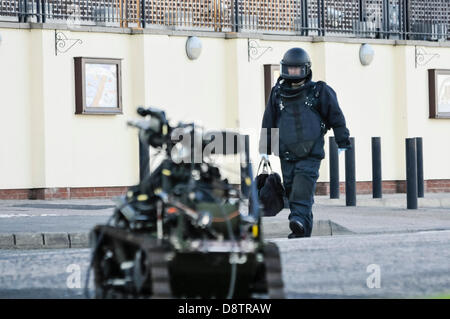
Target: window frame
80 86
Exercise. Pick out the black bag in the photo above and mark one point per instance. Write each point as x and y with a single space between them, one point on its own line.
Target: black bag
270 190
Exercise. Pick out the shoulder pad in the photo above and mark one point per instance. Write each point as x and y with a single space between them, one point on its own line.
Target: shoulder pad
318 88
320 84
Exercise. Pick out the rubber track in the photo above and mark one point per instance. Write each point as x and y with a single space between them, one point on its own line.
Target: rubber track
158 262
160 273
274 274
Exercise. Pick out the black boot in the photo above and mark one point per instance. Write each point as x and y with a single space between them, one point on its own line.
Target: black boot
298 230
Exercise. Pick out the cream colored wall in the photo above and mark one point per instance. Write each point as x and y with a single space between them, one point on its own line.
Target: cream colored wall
86 150
392 103
50 146
199 91
36 110
435 132
188 90
367 96
44 144
15 111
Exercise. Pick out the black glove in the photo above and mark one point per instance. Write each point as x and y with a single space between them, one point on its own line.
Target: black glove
347 145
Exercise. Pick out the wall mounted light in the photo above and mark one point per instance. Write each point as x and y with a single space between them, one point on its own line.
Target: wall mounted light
193 47
366 54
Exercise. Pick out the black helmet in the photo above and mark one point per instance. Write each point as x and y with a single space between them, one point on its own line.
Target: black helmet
296 64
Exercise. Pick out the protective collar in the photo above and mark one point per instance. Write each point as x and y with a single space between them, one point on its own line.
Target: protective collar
287 91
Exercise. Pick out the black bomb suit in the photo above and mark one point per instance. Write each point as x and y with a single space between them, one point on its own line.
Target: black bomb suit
302 114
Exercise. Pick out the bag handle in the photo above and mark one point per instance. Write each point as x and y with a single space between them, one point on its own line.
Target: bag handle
265 166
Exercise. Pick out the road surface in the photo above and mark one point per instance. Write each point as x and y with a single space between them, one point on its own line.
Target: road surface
405 265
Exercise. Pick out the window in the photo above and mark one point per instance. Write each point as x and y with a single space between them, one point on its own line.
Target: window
439 93
98 86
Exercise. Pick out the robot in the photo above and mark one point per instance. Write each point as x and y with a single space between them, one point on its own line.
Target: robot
181 232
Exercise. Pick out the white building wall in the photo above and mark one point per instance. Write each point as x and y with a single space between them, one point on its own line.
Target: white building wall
44 144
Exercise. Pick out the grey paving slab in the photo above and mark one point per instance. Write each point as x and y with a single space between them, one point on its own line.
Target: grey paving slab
63 206
430 200
56 240
384 220
280 228
46 208
6 241
50 224
29 241
79 240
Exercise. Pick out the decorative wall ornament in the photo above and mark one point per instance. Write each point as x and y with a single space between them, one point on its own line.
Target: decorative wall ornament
63 43
255 51
423 57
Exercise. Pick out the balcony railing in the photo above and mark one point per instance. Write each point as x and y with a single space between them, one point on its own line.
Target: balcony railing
389 19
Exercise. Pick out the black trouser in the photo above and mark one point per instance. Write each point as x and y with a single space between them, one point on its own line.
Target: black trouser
299 179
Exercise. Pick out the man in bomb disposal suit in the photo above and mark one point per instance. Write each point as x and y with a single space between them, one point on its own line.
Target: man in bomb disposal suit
303 111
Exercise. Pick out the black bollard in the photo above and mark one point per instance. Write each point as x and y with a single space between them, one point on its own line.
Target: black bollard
350 175
245 187
144 160
334 168
377 188
420 182
411 174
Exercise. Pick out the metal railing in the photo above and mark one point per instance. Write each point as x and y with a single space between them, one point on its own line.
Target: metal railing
393 19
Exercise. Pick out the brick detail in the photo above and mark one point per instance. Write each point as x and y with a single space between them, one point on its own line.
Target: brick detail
14 193
389 187
323 188
437 186
63 192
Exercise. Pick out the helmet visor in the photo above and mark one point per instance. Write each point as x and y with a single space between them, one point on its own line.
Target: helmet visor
296 72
